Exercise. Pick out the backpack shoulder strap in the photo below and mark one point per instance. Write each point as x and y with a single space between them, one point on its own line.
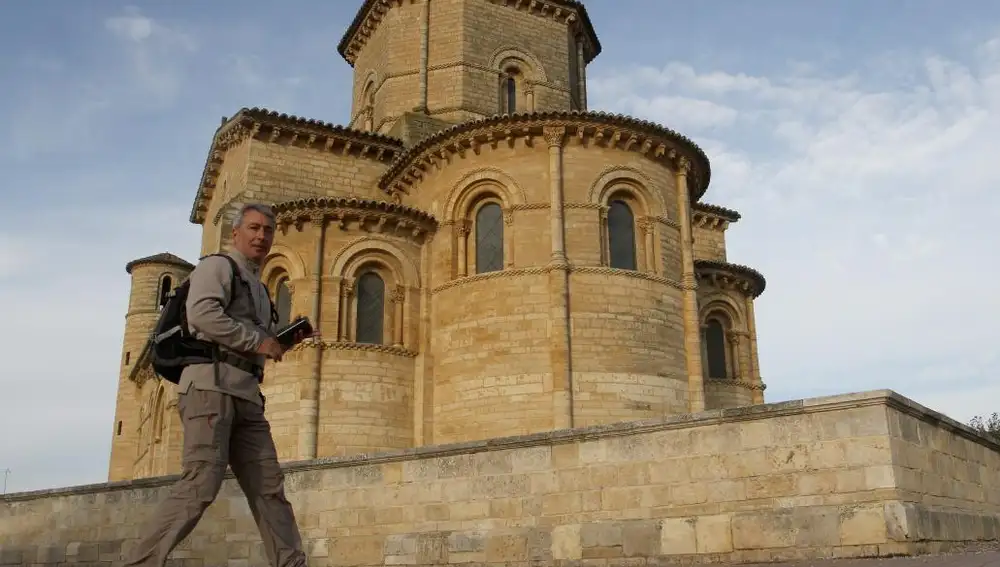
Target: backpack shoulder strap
235 273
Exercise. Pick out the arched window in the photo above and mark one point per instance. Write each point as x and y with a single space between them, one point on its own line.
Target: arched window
489 238
283 301
715 349
511 94
368 106
371 309
165 287
621 236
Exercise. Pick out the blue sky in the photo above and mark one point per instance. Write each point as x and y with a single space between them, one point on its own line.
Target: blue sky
857 138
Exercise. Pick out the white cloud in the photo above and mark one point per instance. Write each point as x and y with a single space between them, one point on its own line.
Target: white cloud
866 205
156 52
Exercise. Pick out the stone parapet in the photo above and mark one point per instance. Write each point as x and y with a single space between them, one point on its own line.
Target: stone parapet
856 475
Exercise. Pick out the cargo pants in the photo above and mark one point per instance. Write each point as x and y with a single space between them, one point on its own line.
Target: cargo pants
220 429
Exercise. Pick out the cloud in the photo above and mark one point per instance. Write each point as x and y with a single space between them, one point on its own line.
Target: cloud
157 53
865 195
60 107
865 205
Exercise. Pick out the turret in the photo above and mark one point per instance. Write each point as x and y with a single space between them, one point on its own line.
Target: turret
152 279
457 60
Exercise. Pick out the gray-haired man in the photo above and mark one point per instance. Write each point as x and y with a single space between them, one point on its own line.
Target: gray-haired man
223 415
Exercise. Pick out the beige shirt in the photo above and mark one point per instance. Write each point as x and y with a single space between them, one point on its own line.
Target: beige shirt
240 329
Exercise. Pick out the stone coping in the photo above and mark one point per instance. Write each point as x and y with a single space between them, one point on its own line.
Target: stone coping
888 398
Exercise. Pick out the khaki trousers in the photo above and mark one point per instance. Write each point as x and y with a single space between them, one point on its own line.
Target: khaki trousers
220 429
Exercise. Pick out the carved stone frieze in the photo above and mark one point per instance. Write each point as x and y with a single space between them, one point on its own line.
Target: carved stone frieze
368 215
604 130
730 277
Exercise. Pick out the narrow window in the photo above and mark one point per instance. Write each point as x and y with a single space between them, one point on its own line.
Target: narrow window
621 236
283 302
128 357
715 345
119 431
371 309
511 95
489 238
165 286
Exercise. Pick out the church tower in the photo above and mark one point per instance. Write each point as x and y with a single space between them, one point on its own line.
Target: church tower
153 278
422 65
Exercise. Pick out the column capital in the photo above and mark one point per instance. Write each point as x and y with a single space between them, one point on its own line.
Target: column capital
397 294
683 165
646 224
554 136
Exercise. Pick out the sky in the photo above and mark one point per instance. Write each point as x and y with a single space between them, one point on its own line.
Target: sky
858 140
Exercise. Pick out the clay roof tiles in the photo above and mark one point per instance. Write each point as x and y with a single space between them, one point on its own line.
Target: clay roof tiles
163 258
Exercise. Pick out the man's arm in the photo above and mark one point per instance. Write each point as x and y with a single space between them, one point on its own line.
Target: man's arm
210 291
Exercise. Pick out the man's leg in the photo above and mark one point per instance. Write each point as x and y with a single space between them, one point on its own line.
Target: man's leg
207 418
254 461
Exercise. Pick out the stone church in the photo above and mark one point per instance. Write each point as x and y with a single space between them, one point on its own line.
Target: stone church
484 254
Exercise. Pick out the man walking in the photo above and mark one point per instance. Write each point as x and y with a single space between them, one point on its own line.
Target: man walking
222 408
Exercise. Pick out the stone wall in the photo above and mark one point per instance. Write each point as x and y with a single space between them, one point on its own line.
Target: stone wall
861 474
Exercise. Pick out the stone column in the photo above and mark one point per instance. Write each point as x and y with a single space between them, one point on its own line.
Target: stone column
605 254
692 336
754 370
508 238
559 340
529 97
397 297
346 292
462 236
423 380
648 226
581 64
309 390
734 349
554 137
424 57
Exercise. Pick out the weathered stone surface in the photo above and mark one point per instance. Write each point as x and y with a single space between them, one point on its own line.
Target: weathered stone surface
629 494
557 335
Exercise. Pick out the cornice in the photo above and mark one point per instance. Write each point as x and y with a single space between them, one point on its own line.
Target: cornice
142 369
270 126
163 259
371 13
713 217
361 347
724 275
538 270
607 130
382 215
736 382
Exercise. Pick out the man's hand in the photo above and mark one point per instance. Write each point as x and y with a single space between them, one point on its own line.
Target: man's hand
271 348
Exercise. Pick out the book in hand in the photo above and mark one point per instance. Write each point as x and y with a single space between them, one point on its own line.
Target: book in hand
286 335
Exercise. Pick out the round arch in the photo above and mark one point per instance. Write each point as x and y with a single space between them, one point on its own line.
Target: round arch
725 305
285 258
624 178
371 248
473 185
532 66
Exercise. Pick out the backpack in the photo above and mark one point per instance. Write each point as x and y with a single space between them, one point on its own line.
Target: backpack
172 346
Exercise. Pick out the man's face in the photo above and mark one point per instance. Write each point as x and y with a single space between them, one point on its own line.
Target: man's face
254 237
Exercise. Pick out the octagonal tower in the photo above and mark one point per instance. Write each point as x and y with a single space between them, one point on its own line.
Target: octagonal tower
456 60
